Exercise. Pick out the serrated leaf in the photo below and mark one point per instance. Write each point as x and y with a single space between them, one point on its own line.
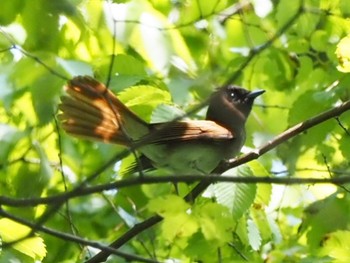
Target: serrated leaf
11 231
143 99
237 197
274 227
258 215
253 235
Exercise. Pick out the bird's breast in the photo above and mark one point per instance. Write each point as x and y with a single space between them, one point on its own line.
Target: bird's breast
192 157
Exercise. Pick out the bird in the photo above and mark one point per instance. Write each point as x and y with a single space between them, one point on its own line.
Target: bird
90 110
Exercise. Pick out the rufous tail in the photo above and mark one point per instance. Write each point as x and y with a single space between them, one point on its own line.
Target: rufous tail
92 111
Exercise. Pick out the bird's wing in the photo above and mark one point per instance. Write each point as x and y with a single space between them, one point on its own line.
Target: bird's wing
187 131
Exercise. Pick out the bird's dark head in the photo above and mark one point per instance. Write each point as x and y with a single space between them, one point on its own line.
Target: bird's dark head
240 98
231 105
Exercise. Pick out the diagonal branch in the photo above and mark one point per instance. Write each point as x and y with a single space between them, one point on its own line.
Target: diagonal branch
284 136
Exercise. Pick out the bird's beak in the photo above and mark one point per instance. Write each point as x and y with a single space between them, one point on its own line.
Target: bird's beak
255 93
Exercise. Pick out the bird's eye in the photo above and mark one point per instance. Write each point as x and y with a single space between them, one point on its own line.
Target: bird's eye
232 95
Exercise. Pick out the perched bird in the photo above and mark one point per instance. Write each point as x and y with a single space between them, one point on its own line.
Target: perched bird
187 147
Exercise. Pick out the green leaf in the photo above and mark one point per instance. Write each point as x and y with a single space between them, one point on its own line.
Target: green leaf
343 54
22 67
128 65
275 71
11 231
304 70
156 46
199 248
309 104
75 68
168 206
344 7
317 221
275 228
215 222
9 138
264 191
319 40
285 10
143 99
31 179
9 10
45 172
153 191
337 246
40 36
344 146
164 113
45 94
180 225
298 45
253 235
237 197
307 24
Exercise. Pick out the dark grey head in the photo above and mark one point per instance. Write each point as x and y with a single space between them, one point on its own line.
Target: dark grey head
230 106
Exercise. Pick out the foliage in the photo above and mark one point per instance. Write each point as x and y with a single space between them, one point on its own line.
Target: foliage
163 56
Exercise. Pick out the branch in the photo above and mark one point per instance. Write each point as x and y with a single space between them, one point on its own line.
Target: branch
68 237
188 179
286 135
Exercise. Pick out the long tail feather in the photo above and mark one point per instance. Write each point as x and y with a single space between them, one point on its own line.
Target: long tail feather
93 112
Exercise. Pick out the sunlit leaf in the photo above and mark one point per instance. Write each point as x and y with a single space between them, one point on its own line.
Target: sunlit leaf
236 197
336 245
168 206
179 226
253 235
11 231
343 54
143 99
215 222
